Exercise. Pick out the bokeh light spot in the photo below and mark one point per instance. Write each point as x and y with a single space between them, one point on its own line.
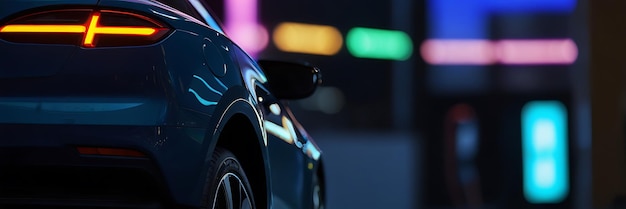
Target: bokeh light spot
307 38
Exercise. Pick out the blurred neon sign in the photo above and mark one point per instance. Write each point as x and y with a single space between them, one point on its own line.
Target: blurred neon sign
244 28
456 19
379 43
544 152
459 32
508 51
242 21
307 38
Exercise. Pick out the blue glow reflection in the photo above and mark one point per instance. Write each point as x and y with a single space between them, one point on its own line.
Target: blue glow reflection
202 100
207 85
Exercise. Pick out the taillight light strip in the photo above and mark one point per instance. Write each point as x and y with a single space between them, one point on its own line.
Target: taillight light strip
43 29
91 34
90 29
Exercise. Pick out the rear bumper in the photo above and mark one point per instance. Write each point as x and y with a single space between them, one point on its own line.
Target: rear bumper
40 165
82 186
81 110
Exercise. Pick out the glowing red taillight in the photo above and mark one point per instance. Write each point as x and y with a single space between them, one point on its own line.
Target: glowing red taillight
88 28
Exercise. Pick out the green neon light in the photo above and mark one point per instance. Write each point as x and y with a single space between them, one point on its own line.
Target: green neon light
379 44
544 151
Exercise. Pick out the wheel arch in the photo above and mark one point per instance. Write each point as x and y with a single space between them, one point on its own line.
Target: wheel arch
236 137
240 131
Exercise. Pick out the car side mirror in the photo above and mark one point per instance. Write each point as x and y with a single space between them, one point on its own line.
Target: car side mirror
288 80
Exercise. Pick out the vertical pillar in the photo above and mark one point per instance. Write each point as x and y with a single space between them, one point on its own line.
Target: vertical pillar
607 27
581 111
402 71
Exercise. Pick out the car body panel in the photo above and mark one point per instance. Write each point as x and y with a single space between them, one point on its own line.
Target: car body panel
169 100
290 152
14 7
285 160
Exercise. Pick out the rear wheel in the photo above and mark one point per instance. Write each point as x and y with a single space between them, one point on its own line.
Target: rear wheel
227 184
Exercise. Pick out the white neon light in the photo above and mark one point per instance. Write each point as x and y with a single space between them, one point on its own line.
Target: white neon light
545 173
544 135
286 131
275 109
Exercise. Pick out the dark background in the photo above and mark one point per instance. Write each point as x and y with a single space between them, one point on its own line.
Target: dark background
385 141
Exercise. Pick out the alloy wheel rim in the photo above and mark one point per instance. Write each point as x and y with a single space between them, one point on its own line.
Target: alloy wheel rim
231 193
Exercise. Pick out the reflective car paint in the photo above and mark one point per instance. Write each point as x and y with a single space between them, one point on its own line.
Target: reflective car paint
169 100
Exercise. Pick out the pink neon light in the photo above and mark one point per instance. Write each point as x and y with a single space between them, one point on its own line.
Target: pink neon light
241 11
473 52
511 52
243 27
251 37
507 52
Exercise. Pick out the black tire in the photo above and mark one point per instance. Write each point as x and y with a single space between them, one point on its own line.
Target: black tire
227 186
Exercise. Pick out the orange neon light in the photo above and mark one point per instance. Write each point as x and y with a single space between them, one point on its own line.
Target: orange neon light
89 36
43 29
90 29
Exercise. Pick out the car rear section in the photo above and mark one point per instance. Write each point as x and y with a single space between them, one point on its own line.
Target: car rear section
89 114
59 62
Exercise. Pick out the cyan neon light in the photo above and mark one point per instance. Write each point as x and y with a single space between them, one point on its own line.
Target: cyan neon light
207 85
544 152
202 100
456 19
220 82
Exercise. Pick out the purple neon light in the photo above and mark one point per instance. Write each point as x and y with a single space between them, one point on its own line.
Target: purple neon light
243 27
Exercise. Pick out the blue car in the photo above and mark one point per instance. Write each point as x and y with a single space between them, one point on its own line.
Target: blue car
146 104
